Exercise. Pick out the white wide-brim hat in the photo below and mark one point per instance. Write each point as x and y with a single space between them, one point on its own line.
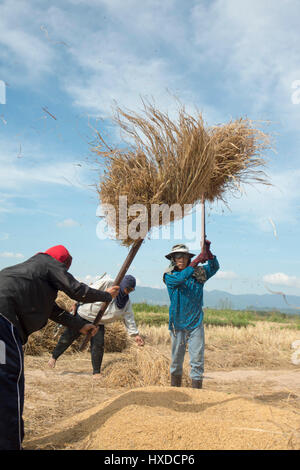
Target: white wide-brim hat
179 249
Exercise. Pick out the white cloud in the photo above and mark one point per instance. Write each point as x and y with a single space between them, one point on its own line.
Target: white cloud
282 279
24 51
14 177
140 283
89 279
254 47
140 52
137 52
226 275
38 166
9 254
121 50
269 206
148 53
67 223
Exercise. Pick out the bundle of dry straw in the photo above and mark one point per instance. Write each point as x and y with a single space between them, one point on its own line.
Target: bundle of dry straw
43 340
139 367
64 301
237 149
171 162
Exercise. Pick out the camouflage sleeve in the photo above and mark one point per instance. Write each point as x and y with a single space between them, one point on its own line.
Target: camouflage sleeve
200 274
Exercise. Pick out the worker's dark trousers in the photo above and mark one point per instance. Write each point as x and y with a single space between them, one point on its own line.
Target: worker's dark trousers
97 346
11 387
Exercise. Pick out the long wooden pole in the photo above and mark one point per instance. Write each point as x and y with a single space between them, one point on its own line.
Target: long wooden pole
130 257
203 225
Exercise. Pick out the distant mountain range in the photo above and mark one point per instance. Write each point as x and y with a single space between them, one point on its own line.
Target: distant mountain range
222 299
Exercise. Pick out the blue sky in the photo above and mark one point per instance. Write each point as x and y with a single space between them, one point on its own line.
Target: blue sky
227 58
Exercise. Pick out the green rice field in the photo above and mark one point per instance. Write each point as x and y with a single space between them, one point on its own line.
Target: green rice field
156 315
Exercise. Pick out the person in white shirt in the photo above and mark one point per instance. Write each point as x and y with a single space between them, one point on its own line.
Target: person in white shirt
119 308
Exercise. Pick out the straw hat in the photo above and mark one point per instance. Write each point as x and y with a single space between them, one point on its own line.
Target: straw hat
179 249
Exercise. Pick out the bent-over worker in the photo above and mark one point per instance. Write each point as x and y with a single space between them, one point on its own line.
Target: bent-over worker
27 300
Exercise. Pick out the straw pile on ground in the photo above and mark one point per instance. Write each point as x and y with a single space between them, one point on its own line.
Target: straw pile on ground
116 339
176 419
139 367
175 163
45 340
64 301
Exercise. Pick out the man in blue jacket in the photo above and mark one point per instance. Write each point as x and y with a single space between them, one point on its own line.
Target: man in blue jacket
184 280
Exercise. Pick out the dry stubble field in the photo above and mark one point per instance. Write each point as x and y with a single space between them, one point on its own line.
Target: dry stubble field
250 398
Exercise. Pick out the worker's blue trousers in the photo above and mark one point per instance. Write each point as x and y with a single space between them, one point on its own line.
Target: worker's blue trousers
11 387
196 342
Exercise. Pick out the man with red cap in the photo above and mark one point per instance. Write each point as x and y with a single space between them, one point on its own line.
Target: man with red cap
27 300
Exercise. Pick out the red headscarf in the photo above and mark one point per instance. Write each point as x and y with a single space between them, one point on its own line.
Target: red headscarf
60 253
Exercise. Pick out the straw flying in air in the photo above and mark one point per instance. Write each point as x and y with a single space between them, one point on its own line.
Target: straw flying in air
170 162
178 162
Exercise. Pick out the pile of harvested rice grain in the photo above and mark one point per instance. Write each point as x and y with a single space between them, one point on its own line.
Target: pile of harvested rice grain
166 418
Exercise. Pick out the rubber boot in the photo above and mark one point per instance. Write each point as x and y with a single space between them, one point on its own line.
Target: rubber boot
175 380
196 383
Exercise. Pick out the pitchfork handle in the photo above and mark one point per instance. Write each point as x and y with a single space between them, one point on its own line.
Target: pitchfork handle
203 228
